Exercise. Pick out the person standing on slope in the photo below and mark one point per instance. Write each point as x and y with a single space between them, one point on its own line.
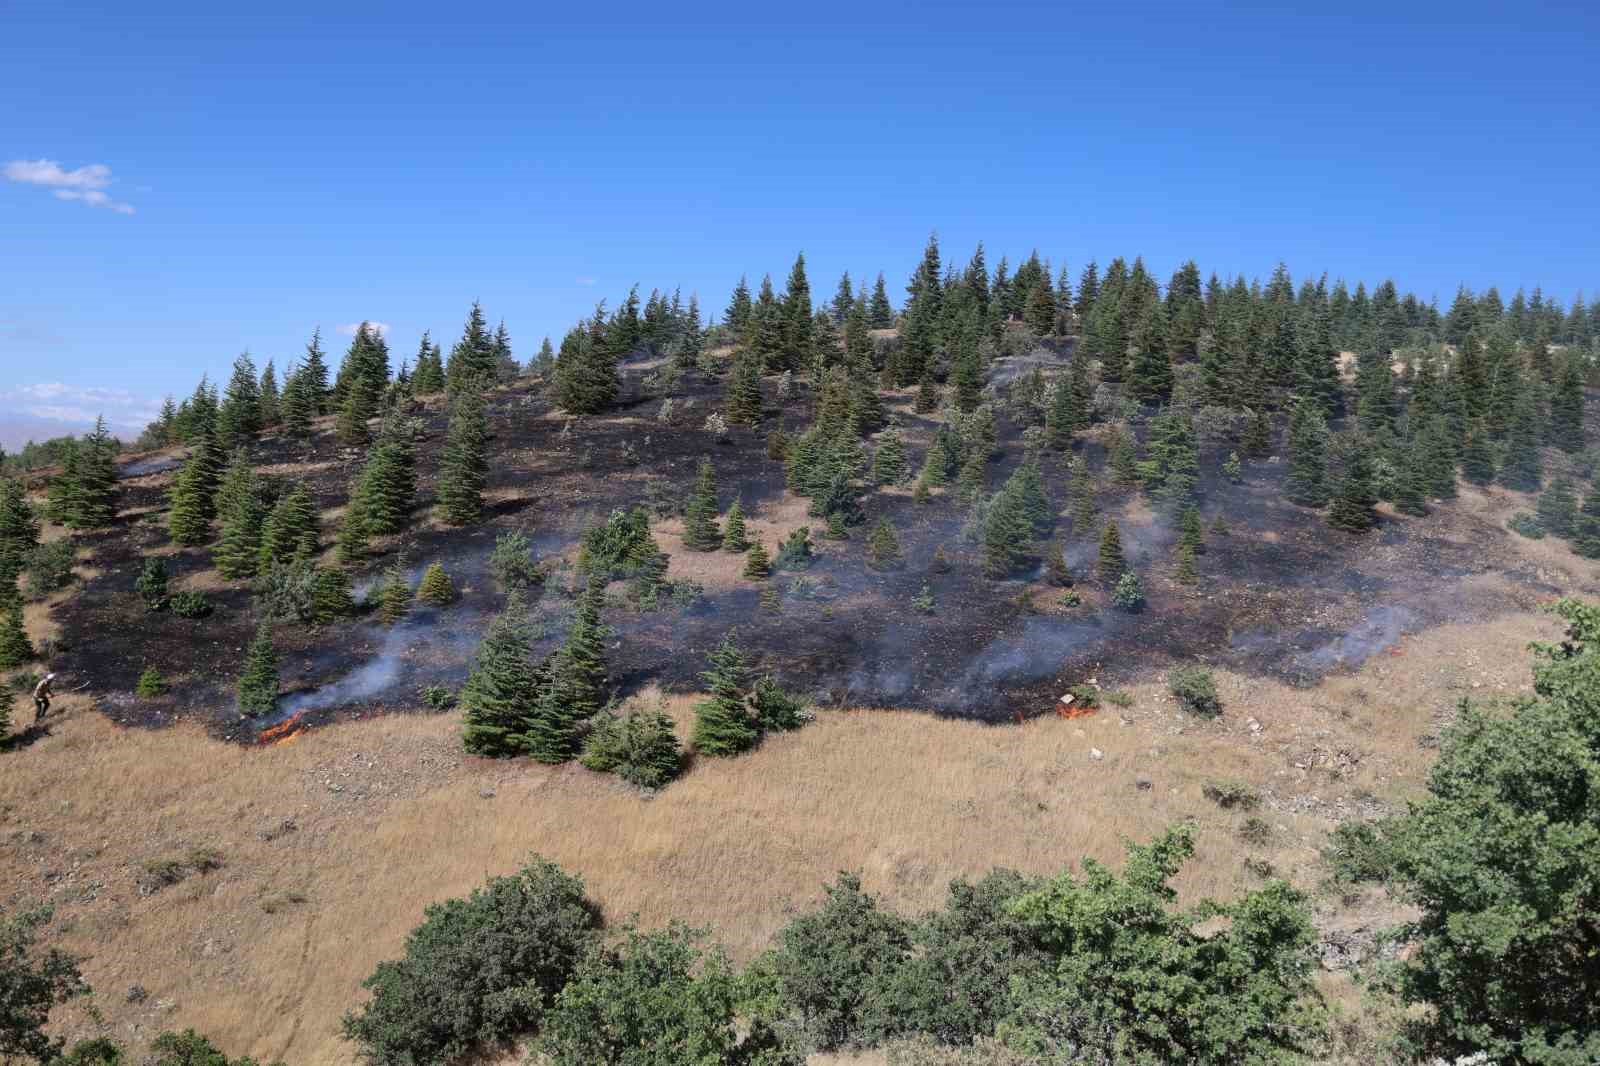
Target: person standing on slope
41 697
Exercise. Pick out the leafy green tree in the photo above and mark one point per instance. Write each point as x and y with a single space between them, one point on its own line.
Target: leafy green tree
464 469
31 983
477 971
1502 859
652 999
1112 564
1307 482
700 530
502 688
1130 978
722 724
258 684
833 966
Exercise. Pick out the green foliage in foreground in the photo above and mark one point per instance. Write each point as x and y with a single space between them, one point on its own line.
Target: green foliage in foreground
478 970
1502 857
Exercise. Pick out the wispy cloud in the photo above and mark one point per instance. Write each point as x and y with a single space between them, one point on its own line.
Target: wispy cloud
86 184
76 404
349 329
584 280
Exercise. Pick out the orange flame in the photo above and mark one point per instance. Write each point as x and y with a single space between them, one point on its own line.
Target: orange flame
285 730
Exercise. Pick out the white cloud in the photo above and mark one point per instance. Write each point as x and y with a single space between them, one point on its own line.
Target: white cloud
74 403
349 329
584 280
86 184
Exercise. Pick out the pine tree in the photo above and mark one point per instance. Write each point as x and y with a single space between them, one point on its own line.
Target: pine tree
1175 457
1411 487
271 400
1007 532
289 532
1586 532
1040 314
1439 451
586 367
889 459
296 408
464 469
734 535
1112 564
314 370
883 547
1558 508
239 418
743 403
242 511
1524 463
387 485
1080 490
1307 481
879 311
722 724
472 364
1191 532
1150 375
503 687
19 536
1122 456
394 596
331 595
1257 440
757 565
191 499
1232 469
1566 408
15 647
436 588
700 532
1186 572
927 398
1477 459
258 684
582 674
353 542
1353 498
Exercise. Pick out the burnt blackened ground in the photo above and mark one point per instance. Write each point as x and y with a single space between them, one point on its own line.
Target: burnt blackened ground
1281 593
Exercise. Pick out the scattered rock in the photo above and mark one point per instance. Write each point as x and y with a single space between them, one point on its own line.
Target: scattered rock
1143 784
487 793
1096 754
282 829
137 994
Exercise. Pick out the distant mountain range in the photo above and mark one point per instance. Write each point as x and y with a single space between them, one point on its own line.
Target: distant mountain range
19 427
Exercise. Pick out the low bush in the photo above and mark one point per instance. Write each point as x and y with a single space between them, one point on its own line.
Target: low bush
795 553
191 605
1195 690
477 971
641 748
151 684
50 567
512 563
151 584
1526 525
1129 593
1231 794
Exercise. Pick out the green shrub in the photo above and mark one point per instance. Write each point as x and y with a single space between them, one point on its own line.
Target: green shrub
151 585
191 605
96 1052
1254 830
151 684
512 563
832 969
1129 592
1357 853
32 982
775 709
438 697
641 748
1231 794
654 999
477 971
1524 524
189 1048
795 553
1195 690
50 567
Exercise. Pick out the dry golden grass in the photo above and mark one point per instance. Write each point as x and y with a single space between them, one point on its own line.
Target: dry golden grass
769 523
391 817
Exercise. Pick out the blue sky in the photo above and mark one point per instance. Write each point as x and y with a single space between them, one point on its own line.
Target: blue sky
319 164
